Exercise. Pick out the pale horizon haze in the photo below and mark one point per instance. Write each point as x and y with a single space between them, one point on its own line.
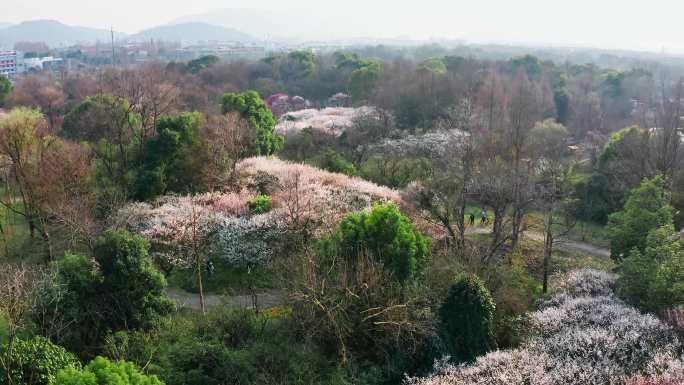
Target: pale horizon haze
651 26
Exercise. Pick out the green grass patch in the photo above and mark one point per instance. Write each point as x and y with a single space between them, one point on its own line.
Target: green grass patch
591 233
226 280
566 260
562 260
583 231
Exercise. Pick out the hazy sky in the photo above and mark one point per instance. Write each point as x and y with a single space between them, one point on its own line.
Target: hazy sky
648 25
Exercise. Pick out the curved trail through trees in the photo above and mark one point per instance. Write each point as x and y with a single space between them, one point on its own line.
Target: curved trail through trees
562 243
273 298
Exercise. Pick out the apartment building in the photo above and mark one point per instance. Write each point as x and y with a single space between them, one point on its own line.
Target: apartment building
8 63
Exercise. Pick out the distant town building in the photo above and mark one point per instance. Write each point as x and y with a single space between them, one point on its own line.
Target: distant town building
37 64
8 63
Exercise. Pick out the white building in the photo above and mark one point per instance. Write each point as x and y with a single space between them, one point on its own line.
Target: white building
8 63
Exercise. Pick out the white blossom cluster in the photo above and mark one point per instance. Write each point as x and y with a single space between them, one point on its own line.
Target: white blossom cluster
331 120
247 241
584 335
435 144
322 197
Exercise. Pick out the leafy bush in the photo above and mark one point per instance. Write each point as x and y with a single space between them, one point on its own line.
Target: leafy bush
260 204
134 289
647 208
515 291
34 361
101 371
4 328
467 319
387 235
229 346
653 280
124 291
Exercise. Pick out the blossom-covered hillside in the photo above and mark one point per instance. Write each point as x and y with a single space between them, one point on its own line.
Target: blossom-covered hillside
331 120
582 335
303 197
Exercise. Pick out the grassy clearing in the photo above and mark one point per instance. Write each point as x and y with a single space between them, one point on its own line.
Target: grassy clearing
583 231
563 260
226 280
591 233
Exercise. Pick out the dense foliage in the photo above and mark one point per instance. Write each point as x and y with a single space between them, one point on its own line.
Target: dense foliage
34 361
647 208
467 316
172 158
387 235
120 289
101 371
651 279
260 204
253 109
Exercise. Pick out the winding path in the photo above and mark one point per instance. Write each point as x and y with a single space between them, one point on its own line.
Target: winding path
563 243
273 298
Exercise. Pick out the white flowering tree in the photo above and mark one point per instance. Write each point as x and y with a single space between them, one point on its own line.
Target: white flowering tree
582 335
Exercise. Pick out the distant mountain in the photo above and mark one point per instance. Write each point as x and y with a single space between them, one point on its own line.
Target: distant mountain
192 32
265 24
52 33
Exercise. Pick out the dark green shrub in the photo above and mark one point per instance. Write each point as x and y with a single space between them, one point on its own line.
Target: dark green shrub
387 235
5 89
467 319
647 208
173 160
134 289
120 290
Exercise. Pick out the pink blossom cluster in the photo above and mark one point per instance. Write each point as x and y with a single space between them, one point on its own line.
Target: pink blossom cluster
583 336
331 194
674 377
302 196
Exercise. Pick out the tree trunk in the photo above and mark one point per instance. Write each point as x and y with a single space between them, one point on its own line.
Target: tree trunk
32 228
548 249
199 283
48 245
